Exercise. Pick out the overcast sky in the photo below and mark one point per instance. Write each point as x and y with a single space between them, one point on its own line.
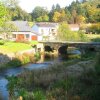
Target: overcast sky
28 5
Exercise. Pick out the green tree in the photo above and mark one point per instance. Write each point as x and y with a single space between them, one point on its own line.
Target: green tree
56 16
3 14
45 18
58 8
63 16
39 11
51 13
80 19
63 31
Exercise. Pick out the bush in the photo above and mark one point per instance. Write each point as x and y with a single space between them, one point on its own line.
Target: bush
37 56
25 59
15 63
39 95
95 28
2 42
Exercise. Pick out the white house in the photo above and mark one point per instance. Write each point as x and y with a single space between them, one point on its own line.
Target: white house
46 30
24 31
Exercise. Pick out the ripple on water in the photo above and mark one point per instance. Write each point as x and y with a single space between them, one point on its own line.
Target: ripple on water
36 66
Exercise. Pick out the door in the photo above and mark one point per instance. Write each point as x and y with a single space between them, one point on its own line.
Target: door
20 37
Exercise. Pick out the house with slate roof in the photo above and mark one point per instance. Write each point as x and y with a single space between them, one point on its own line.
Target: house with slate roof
24 32
46 30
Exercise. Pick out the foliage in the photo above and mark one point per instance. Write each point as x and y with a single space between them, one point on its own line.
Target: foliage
14 63
76 13
95 28
40 14
60 86
3 14
64 33
37 56
93 37
2 42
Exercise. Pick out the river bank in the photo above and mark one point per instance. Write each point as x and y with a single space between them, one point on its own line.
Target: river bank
49 82
34 79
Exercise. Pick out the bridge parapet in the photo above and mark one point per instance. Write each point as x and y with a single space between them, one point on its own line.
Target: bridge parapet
80 45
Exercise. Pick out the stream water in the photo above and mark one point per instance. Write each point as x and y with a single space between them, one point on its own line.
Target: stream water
4 94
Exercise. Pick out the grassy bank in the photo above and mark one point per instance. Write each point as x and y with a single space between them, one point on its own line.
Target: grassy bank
93 37
9 47
72 80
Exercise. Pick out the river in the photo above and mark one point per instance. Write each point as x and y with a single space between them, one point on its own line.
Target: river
4 94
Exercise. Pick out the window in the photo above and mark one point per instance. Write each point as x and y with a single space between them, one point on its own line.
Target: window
14 36
52 30
27 35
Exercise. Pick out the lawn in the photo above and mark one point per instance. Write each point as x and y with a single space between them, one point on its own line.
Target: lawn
9 47
93 37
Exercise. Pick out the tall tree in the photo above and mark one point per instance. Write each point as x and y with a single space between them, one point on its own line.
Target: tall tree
38 12
3 14
58 8
56 16
51 13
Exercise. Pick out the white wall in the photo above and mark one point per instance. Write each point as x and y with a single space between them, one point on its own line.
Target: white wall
35 28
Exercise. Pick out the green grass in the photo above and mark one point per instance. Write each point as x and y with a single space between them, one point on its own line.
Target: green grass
34 42
9 47
93 37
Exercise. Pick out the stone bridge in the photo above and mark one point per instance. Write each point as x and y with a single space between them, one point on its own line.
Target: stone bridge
82 46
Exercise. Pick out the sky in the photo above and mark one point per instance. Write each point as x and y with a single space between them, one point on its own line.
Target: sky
29 5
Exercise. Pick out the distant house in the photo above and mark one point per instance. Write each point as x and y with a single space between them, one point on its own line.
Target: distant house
24 32
74 27
46 30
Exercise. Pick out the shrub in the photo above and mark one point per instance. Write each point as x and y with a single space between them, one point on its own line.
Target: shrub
2 42
15 63
37 56
25 59
95 28
39 95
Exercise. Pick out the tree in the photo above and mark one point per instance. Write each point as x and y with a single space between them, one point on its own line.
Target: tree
63 31
58 9
3 14
51 13
7 28
39 11
56 17
63 16
45 18
80 19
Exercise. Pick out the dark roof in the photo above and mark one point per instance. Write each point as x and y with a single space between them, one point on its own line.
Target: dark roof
22 26
46 24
